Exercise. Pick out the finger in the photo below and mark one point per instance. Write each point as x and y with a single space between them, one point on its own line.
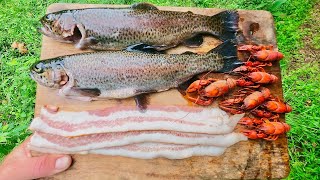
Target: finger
41 166
48 165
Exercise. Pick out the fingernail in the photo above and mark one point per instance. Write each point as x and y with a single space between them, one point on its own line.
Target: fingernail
62 163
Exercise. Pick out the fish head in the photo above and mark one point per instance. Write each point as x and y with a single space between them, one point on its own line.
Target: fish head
61 26
49 73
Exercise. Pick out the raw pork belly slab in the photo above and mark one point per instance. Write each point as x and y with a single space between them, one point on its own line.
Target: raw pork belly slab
97 141
148 151
122 119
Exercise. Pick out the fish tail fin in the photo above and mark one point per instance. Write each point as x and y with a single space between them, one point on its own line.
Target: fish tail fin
228 51
228 22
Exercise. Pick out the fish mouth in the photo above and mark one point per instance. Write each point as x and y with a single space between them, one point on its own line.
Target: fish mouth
74 35
36 79
50 85
45 31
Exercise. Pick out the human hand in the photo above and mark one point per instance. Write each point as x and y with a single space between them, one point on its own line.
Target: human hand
20 165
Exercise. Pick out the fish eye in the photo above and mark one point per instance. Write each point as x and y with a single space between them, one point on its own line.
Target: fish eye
49 17
39 68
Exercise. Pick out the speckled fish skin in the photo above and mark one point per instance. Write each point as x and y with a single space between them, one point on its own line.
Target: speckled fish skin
118 28
133 74
122 74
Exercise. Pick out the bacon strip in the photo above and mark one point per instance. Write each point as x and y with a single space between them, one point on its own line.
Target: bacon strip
122 119
148 151
97 141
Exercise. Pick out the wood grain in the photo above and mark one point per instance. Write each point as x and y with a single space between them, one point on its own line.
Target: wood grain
245 160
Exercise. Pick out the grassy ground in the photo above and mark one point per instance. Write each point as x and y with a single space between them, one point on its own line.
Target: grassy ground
297 24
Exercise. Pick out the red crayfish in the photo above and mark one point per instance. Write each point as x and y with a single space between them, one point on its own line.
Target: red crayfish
262 113
253 78
202 92
239 104
272 109
261 52
261 103
277 106
263 128
255 75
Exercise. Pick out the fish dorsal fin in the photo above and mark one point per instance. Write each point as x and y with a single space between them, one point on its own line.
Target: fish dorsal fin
144 6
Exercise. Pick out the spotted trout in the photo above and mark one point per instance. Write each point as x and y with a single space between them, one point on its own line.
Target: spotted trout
142 23
123 74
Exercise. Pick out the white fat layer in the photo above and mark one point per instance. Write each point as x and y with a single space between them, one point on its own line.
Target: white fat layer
98 141
147 151
215 121
38 125
207 115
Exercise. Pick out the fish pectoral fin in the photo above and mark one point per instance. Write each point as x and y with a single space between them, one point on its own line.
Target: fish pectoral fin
153 49
89 92
184 86
144 48
144 6
194 41
84 43
182 90
74 94
142 102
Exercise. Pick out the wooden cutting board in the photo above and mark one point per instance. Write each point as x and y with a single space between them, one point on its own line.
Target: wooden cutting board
257 159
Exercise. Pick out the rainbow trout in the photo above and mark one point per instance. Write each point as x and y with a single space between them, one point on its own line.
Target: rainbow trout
123 74
142 23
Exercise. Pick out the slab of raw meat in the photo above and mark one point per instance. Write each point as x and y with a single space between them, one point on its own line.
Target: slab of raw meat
96 141
122 119
148 151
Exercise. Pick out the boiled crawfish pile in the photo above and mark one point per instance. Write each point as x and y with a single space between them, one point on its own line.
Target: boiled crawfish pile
263 128
253 98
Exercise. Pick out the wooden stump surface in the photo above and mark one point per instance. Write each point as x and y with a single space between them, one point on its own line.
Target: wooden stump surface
257 159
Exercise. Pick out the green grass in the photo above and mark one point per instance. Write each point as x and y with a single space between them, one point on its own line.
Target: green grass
301 78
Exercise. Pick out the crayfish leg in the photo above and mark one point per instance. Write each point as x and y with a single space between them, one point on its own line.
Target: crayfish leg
271 138
265 120
275 118
198 100
230 109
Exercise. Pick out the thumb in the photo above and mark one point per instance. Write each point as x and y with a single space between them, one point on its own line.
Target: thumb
46 165
20 165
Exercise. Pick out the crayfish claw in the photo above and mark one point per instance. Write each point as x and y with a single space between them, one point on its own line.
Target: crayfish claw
252 134
250 121
200 101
